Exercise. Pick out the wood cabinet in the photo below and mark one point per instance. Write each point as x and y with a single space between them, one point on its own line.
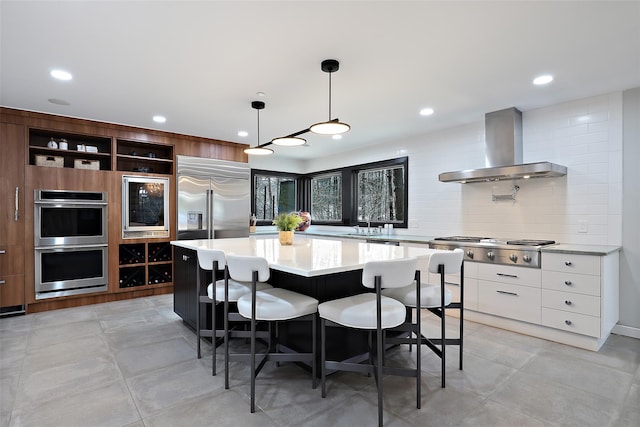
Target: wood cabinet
12 219
119 150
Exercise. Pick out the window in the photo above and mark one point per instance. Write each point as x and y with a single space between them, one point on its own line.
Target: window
273 194
326 197
373 192
380 195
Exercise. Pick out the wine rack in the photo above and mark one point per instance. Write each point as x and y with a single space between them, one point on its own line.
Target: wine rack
145 264
131 276
159 252
160 273
131 254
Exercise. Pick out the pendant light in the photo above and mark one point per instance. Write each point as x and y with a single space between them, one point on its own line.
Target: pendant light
332 126
291 140
258 149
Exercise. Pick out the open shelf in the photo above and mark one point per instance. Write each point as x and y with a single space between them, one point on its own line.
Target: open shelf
144 157
43 155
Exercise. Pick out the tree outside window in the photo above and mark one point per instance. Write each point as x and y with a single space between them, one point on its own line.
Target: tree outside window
272 195
381 195
326 197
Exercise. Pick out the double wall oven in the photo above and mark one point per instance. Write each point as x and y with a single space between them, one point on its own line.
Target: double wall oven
71 242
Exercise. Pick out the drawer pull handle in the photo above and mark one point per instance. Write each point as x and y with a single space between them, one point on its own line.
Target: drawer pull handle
507 275
2 282
185 257
567 282
567 302
567 263
3 252
568 322
507 293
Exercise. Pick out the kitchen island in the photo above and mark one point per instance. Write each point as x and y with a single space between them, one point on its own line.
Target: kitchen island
325 269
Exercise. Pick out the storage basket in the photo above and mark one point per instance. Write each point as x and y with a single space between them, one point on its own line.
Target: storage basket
86 164
50 161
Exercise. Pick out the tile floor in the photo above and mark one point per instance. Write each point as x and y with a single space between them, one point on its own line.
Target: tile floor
132 363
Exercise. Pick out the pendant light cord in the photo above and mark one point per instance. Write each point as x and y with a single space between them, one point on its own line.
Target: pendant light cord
258 142
329 96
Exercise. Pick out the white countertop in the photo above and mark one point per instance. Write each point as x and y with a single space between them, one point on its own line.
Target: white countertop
309 255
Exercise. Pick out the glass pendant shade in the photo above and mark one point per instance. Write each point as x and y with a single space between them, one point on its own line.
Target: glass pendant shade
289 141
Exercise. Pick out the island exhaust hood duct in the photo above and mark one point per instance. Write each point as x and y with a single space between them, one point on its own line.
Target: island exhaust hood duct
503 147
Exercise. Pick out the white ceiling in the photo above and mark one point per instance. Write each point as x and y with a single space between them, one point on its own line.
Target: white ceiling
200 64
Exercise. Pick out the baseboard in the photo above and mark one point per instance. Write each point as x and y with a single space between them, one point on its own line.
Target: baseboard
628 331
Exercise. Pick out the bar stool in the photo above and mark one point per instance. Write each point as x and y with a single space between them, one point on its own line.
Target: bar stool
268 305
436 299
214 261
373 311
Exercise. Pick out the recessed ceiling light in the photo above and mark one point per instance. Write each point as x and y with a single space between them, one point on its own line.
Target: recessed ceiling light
336 137
61 75
543 80
243 133
426 111
58 101
159 119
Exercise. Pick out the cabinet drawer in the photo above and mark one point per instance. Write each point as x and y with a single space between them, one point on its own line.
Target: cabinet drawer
509 274
11 260
512 301
470 293
572 322
12 290
571 263
571 282
575 303
471 269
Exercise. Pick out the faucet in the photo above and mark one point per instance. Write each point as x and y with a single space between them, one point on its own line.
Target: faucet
368 225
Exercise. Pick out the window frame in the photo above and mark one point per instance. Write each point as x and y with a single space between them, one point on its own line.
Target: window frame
349 191
261 172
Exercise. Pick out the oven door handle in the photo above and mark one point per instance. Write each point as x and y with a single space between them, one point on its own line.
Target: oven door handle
45 248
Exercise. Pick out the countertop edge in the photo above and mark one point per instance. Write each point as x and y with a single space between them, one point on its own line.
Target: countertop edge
599 250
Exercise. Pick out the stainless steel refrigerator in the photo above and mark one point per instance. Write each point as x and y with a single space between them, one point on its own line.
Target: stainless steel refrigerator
213 198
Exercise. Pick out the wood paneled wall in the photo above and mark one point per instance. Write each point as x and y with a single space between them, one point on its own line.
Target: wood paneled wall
36 177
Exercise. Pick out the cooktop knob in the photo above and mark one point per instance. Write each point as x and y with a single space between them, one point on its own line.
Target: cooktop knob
491 255
470 254
513 257
526 258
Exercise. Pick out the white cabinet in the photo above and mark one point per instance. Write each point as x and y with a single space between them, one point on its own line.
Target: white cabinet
580 293
452 280
508 291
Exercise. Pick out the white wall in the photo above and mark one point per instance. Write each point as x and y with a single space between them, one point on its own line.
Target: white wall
630 256
585 135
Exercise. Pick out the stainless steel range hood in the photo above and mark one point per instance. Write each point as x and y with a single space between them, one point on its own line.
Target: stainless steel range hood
503 149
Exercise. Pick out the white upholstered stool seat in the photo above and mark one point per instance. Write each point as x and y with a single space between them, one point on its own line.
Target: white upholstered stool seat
268 306
359 311
429 295
435 299
236 289
277 304
376 314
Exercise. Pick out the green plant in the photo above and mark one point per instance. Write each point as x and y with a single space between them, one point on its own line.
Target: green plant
287 221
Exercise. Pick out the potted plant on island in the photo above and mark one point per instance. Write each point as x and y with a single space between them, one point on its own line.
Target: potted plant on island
286 223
